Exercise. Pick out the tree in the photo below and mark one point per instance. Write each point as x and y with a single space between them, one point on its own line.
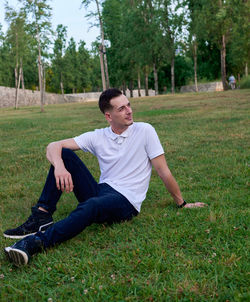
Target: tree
150 49
217 18
102 47
71 71
194 7
239 44
172 21
58 62
134 33
95 80
113 26
17 38
39 14
1 55
6 70
121 58
84 66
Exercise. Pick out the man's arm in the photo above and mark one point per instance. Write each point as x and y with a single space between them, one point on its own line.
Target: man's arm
54 156
170 183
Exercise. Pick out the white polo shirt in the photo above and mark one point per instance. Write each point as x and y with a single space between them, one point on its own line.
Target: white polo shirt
124 159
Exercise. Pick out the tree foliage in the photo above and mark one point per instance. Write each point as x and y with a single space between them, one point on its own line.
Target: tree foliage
148 44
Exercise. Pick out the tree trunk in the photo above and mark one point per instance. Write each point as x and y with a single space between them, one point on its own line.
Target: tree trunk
16 68
124 87
102 68
16 75
17 88
146 82
22 77
40 71
238 77
156 80
61 86
172 76
246 70
131 88
106 66
195 66
103 45
223 62
16 82
139 83
44 85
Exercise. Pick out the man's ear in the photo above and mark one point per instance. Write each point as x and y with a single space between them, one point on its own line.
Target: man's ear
108 116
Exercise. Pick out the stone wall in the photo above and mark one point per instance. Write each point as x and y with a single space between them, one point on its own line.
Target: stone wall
26 97
31 98
151 92
82 97
94 96
213 86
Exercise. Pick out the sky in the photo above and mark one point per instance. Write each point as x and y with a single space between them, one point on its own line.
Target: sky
70 14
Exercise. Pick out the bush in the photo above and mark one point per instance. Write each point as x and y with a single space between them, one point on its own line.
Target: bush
245 82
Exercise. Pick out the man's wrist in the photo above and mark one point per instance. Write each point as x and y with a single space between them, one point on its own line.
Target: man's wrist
57 163
179 206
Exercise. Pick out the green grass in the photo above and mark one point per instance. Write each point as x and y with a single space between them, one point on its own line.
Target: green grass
164 254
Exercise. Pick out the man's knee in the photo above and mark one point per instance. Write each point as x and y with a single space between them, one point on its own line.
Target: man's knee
69 155
66 153
70 159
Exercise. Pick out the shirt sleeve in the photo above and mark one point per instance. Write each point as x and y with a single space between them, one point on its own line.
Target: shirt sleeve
85 141
153 144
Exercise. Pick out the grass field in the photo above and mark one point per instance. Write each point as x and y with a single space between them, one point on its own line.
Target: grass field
164 254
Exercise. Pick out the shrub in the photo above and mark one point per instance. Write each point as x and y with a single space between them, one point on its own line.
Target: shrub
245 82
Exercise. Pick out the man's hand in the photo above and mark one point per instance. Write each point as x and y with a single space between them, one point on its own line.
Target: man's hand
63 179
195 205
54 155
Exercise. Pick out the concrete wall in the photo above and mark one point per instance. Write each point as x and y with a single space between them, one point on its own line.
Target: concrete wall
31 98
213 86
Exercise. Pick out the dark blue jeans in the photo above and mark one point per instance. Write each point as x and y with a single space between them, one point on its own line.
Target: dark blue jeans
98 203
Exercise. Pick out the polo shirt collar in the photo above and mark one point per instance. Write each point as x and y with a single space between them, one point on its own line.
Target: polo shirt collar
114 136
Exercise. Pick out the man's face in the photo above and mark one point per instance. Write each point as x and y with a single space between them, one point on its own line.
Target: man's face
120 117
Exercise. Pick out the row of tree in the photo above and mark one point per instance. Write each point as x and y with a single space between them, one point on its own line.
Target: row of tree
33 56
145 37
160 44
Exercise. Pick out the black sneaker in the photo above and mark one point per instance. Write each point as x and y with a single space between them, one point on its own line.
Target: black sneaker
21 251
38 221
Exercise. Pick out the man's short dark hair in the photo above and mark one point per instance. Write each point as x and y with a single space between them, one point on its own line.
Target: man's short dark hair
106 96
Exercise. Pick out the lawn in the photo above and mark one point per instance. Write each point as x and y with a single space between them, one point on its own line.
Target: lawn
163 254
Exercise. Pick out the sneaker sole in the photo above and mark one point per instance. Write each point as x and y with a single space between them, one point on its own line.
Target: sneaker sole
6 252
18 237
23 236
16 256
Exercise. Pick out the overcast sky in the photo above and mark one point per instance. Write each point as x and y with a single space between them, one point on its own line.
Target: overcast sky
68 13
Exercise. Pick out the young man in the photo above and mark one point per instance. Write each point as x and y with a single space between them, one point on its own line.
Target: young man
125 151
